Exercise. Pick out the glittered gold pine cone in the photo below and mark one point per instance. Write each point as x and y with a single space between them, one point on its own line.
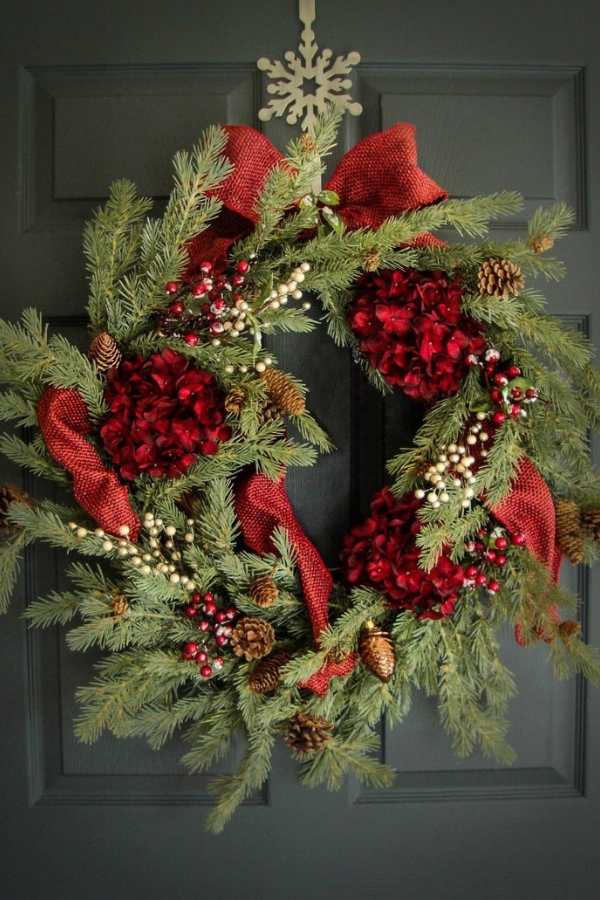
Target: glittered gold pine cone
500 278
376 650
267 675
10 493
590 522
264 591
252 638
540 245
119 606
234 401
569 531
104 351
283 394
306 733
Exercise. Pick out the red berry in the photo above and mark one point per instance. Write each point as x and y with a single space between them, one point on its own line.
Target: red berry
470 571
204 625
196 598
491 556
206 267
206 671
222 639
493 587
191 339
190 650
243 266
513 371
221 617
201 657
500 379
501 543
517 539
210 607
515 411
191 611
495 395
480 578
479 547
499 417
177 307
200 289
516 393
216 328
231 612
171 287
500 559
218 662
531 394
237 280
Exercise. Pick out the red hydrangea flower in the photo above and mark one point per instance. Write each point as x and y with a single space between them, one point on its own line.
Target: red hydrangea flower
163 413
411 328
382 553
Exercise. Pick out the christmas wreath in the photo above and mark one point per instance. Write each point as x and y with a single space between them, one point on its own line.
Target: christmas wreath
174 432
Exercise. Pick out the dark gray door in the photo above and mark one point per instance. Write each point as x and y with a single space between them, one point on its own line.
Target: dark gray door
503 96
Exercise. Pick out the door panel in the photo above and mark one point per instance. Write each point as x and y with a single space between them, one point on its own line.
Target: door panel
93 93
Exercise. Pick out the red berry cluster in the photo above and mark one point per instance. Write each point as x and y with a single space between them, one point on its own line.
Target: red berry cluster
213 305
489 553
215 626
507 388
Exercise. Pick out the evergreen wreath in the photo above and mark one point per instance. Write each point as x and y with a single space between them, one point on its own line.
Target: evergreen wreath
215 613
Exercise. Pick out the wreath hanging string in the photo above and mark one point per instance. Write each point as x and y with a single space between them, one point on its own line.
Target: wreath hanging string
216 613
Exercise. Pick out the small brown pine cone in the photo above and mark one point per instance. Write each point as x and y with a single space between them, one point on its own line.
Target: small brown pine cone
252 638
371 261
119 606
234 401
568 629
337 656
264 591
540 245
10 493
283 393
500 277
376 650
308 143
307 733
267 675
269 412
105 352
590 522
569 531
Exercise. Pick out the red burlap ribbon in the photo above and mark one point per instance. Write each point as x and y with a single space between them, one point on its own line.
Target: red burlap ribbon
63 419
262 506
377 179
529 508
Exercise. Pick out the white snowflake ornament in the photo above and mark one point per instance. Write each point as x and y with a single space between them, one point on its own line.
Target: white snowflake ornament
326 78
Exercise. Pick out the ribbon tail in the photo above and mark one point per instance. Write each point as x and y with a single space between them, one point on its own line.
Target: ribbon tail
63 420
529 508
262 506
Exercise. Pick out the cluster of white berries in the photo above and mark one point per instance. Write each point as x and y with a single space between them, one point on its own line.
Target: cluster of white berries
280 295
453 468
159 554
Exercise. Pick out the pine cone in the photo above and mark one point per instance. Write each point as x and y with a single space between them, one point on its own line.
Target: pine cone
252 638
264 591
307 733
308 143
234 401
568 629
500 277
539 245
104 351
371 261
267 675
590 522
119 606
283 394
569 532
376 650
10 493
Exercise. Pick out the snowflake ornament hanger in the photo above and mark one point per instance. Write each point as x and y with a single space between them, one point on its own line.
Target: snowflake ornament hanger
326 77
